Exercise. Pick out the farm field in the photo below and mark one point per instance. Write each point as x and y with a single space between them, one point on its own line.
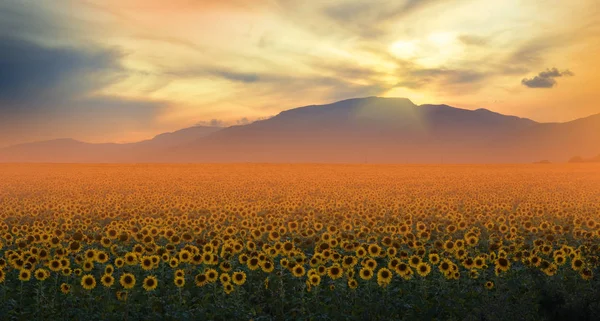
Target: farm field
299 242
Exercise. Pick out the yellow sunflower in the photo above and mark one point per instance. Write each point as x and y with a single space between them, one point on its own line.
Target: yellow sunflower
150 283
107 280
88 282
127 280
239 278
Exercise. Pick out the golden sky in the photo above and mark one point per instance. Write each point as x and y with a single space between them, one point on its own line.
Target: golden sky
125 70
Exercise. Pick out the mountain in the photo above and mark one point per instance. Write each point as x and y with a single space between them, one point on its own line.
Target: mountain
180 137
578 159
72 151
372 129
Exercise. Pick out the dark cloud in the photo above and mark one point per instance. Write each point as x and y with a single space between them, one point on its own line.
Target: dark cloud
35 76
51 91
222 72
545 79
25 19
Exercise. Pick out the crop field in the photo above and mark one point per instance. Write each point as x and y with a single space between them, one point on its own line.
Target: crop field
299 242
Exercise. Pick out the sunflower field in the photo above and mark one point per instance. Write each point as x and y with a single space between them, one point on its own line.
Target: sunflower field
299 242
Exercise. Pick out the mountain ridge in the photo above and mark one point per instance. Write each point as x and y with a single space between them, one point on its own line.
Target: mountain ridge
353 130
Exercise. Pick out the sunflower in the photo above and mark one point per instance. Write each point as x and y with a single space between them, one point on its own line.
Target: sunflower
119 262
314 279
384 277
535 261
24 275
253 263
127 280
445 266
109 269
179 282
174 262
65 288
88 282
321 270
502 264
225 266
66 271
550 269
90 254
228 288
179 273
130 258
365 273
88 266
101 257
211 275
107 280
352 283
468 263
54 265
225 278
122 295
150 283
434 258
298 270
239 278
489 285
423 269
2 276
414 261
267 266
374 250
586 273
146 263
41 274
408 274
449 246
361 252
349 261
200 279
370 263
335 272
577 264
185 256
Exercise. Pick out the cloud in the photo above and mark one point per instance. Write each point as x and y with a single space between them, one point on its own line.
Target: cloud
445 79
35 76
545 79
222 123
55 90
212 123
369 18
472 40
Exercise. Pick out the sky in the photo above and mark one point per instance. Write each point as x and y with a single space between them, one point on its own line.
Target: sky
126 70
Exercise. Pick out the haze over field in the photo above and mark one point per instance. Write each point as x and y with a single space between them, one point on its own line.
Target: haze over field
109 78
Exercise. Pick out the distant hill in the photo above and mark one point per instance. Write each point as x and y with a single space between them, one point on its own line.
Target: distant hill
72 151
372 130
578 159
